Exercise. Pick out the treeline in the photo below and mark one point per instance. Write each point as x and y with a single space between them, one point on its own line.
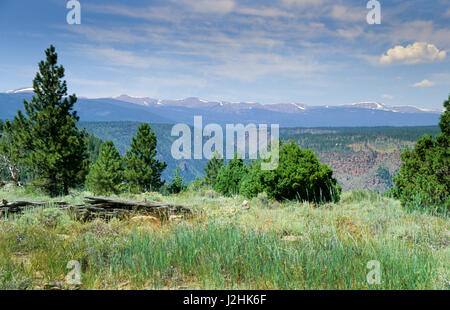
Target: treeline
339 139
330 144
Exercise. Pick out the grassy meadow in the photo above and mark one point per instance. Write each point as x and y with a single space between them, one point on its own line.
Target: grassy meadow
269 245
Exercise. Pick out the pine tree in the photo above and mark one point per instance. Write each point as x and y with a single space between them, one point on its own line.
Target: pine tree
212 169
106 174
177 184
56 147
230 176
142 169
93 144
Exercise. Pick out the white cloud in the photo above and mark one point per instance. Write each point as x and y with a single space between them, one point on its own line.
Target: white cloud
419 52
424 83
350 33
150 13
250 66
121 58
387 96
208 6
303 3
115 35
414 31
90 82
348 14
263 12
172 81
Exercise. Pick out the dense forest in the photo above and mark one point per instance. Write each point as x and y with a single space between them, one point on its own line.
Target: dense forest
121 134
375 151
361 158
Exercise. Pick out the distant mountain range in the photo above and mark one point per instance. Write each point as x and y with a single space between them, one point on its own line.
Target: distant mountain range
127 108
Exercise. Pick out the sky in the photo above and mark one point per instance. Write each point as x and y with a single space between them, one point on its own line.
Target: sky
316 52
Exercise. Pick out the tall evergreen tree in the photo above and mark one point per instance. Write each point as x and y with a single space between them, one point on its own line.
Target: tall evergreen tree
212 169
177 185
142 169
106 174
56 148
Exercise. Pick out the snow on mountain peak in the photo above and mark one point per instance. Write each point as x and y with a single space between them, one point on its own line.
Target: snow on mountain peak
298 106
292 107
369 105
20 90
145 101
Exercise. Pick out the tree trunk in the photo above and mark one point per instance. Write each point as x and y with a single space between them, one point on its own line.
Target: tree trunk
13 170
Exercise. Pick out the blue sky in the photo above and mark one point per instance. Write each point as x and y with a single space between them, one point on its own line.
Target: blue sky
315 52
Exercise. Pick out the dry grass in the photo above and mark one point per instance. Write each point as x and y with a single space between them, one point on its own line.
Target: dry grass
271 245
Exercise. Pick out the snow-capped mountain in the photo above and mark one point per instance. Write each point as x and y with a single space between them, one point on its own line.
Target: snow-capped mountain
197 103
20 90
146 109
381 107
145 101
367 105
412 109
193 102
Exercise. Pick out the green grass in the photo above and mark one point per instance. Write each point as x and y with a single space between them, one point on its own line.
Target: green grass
227 247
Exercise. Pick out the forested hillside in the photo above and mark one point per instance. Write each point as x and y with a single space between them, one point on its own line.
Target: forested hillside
121 134
360 157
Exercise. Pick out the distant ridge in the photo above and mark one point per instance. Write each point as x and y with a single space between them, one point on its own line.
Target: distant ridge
146 109
194 102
